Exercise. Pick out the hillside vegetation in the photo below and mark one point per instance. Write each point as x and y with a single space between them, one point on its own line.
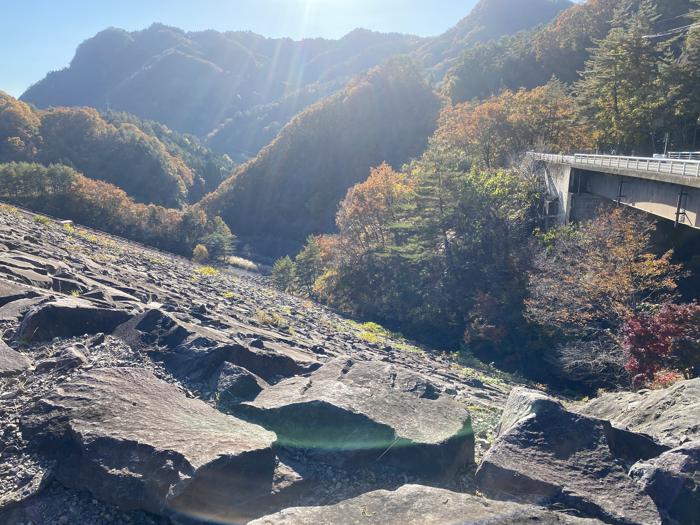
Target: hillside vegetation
294 185
237 90
488 20
147 160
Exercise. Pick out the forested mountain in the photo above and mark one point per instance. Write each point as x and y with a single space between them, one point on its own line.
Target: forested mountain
147 160
236 90
489 20
294 185
560 49
196 82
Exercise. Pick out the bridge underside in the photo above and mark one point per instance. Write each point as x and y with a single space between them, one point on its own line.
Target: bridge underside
580 192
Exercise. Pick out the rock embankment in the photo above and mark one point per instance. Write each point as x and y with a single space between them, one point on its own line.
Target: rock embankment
137 387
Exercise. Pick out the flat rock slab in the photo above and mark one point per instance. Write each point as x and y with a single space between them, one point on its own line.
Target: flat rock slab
367 411
547 455
11 361
10 292
14 311
137 442
671 415
419 505
69 317
28 276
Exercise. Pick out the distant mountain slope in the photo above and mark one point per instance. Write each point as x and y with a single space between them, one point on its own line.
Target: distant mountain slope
196 82
237 90
147 160
489 20
293 187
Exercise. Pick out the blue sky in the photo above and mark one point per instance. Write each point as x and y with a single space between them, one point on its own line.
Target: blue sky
37 36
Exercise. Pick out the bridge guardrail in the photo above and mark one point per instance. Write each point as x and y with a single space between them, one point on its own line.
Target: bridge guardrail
685 168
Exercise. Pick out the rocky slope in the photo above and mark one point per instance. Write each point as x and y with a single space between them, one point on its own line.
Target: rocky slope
137 387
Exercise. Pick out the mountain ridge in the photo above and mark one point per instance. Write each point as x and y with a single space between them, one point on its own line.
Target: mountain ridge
237 89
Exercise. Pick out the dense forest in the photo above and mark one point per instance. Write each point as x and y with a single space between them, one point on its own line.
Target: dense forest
114 172
147 160
632 85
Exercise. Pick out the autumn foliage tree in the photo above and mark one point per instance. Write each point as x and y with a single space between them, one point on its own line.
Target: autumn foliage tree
495 131
371 207
60 190
588 280
667 339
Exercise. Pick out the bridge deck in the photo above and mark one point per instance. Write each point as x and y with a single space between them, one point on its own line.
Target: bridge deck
674 171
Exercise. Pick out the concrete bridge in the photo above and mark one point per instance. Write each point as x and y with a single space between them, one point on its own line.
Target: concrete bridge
664 187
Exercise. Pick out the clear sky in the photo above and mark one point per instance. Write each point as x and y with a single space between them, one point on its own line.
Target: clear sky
37 36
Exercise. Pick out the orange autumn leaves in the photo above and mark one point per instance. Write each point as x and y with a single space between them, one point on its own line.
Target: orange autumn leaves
369 208
494 132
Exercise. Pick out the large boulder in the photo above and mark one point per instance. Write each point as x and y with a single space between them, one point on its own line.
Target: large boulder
671 415
673 481
351 412
138 442
197 353
419 505
69 317
11 361
547 455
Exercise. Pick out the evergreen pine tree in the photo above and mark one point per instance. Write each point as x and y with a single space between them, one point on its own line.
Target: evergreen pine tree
622 90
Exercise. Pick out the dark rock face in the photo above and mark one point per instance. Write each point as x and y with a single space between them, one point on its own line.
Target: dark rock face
11 361
419 505
15 310
236 385
198 353
138 442
547 455
67 358
367 411
670 414
673 481
68 317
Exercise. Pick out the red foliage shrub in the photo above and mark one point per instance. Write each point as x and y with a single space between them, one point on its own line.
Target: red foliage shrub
664 341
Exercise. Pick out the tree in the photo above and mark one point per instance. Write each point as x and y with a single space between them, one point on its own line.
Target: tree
19 130
200 253
622 90
219 241
587 281
60 190
663 340
309 265
284 273
423 250
497 130
591 277
369 208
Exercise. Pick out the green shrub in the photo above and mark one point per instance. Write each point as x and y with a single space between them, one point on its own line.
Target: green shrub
283 273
